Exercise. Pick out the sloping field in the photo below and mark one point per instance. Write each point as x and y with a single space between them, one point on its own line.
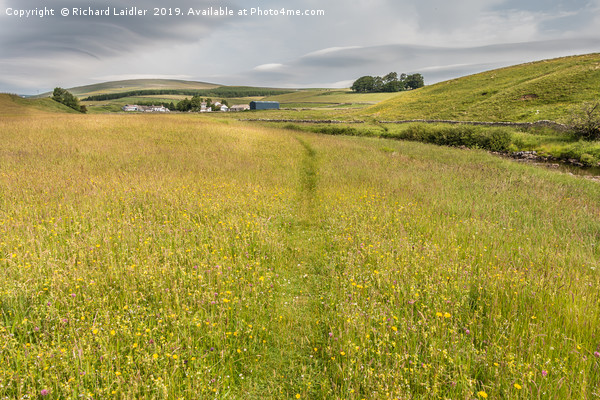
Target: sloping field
175 256
12 105
547 89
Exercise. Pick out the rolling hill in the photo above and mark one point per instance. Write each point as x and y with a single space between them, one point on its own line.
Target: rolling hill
548 89
137 84
14 105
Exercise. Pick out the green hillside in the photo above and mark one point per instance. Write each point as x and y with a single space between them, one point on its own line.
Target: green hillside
547 89
15 105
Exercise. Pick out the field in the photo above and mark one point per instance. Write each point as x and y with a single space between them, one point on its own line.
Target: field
317 98
181 256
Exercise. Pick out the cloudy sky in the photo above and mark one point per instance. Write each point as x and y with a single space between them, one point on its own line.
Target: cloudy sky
439 38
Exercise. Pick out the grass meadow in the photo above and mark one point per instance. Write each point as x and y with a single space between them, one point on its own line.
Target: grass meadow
183 257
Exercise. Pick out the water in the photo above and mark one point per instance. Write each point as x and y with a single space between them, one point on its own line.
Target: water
589 172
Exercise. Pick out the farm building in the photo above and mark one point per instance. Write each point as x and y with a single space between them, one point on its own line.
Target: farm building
239 107
264 105
135 107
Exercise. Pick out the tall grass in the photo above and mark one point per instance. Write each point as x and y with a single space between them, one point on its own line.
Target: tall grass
167 257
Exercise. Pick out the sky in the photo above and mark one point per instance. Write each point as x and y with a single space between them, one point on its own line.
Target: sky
440 39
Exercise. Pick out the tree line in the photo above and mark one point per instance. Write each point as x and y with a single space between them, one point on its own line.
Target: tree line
195 104
223 91
388 83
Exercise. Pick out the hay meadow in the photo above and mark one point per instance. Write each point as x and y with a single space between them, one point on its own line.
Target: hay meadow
188 257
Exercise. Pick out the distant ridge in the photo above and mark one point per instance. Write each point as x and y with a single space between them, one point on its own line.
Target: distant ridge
541 90
136 84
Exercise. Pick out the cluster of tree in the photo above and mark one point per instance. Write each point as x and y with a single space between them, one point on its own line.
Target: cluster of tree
388 83
223 91
65 97
195 104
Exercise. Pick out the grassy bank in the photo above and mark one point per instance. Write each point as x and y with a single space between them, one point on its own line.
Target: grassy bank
546 142
175 256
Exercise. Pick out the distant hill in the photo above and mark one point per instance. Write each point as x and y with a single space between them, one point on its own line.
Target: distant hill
136 84
548 89
14 105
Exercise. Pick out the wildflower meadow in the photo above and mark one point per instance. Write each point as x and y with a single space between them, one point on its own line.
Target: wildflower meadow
187 257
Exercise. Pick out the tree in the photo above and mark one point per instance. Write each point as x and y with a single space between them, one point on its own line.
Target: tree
63 96
388 83
377 84
414 81
184 105
364 84
585 122
196 103
391 83
391 77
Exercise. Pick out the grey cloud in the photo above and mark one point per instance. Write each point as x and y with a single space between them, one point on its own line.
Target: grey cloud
364 37
542 5
450 15
101 35
435 63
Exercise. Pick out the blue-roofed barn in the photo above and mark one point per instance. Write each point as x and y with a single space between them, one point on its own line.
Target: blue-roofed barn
264 105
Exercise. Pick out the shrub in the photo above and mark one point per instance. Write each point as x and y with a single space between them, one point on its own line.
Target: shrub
588 160
337 130
585 122
498 139
292 127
